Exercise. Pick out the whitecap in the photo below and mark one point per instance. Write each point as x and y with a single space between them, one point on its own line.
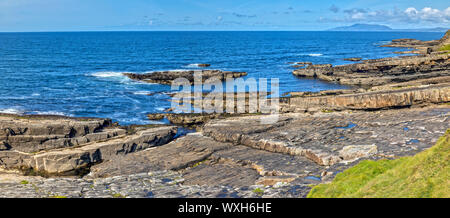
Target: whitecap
160 109
11 111
50 113
382 43
315 55
193 66
142 93
155 122
108 74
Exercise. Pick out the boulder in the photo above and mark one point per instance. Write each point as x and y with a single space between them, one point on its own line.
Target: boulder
352 59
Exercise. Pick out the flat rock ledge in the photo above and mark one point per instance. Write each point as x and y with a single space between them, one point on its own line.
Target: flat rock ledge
167 77
66 145
158 184
331 138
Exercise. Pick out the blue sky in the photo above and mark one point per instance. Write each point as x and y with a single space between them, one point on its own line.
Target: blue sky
78 15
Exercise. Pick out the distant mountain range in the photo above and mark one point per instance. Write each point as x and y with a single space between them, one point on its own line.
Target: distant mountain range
376 27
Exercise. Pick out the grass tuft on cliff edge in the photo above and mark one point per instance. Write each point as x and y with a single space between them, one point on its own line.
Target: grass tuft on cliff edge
445 48
425 175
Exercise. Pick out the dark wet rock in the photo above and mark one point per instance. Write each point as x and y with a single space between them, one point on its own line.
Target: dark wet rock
167 77
186 119
352 59
192 120
203 65
156 116
36 133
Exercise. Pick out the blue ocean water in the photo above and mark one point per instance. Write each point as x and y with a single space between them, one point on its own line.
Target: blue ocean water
80 73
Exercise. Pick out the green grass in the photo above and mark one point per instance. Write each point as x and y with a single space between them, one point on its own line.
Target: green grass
57 196
24 182
445 48
258 191
425 175
117 195
198 163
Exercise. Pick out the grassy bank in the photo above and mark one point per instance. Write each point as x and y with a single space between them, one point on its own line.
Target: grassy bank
425 175
445 48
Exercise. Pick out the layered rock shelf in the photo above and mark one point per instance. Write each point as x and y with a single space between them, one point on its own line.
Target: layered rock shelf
167 77
381 71
61 145
410 96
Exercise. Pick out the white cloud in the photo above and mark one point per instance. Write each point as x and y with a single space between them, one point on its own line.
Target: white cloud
411 11
358 16
447 12
409 15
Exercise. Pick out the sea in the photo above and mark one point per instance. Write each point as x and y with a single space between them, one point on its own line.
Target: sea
80 74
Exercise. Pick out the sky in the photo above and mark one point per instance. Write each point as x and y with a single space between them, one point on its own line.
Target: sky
117 15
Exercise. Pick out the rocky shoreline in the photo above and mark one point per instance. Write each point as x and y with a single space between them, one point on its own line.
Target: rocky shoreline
398 107
430 64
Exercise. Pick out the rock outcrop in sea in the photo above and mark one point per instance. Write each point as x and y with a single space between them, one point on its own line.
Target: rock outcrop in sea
167 77
381 71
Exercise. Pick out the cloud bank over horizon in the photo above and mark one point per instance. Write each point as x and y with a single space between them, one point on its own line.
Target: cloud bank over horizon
409 15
